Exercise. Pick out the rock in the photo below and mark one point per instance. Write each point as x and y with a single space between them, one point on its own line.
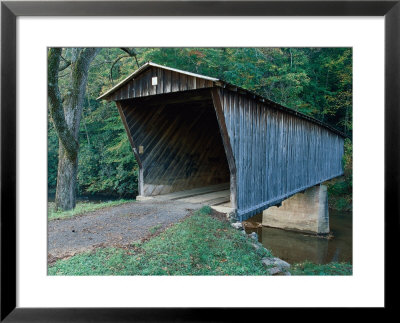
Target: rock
283 266
274 271
256 246
286 273
231 217
254 236
268 261
280 263
237 225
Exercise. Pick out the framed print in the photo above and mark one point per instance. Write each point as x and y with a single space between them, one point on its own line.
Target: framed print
364 36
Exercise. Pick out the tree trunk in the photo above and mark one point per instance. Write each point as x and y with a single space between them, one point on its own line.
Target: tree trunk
66 180
67 118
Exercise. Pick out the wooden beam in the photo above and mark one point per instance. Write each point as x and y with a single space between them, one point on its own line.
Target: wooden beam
121 114
215 93
135 152
172 98
232 88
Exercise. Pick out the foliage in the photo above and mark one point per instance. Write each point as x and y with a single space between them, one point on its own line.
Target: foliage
332 269
81 208
52 157
199 245
341 190
314 81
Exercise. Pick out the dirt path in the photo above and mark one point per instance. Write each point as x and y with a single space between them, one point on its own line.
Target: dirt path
113 226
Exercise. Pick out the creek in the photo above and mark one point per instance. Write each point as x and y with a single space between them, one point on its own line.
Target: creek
295 247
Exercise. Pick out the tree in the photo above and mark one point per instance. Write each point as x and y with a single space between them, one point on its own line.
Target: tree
66 116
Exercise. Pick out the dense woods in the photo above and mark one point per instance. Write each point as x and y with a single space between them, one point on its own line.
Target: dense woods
314 81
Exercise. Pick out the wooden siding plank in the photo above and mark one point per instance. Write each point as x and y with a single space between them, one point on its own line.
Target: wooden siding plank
200 83
183 82
219 101
191 83
167 81
175 82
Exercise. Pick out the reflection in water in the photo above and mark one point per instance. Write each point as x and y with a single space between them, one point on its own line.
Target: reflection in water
295 247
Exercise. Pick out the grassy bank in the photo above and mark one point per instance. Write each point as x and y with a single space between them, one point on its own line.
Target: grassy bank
81 208
199 245
310 269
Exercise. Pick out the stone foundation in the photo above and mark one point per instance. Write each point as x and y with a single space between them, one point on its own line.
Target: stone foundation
306 211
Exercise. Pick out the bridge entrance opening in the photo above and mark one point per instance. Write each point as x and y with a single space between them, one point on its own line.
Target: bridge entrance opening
179 147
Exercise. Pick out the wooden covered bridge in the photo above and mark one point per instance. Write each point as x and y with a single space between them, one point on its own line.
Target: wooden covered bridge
193 133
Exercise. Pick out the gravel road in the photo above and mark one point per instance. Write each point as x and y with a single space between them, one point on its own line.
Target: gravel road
113 226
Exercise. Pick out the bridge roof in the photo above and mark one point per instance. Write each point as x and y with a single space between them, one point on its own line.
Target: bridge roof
219 83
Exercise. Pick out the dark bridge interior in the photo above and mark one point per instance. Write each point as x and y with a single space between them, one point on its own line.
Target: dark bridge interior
178 142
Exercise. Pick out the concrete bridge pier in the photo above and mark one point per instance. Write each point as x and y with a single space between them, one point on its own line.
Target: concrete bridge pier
306 211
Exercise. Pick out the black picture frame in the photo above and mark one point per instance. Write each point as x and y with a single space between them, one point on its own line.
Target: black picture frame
10 10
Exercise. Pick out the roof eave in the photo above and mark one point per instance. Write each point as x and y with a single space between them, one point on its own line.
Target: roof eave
124 81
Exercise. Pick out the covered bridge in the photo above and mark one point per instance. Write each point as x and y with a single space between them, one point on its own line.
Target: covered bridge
190 131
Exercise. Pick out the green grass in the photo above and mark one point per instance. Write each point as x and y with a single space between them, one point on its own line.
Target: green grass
154 229
199 245
81 208
333 268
